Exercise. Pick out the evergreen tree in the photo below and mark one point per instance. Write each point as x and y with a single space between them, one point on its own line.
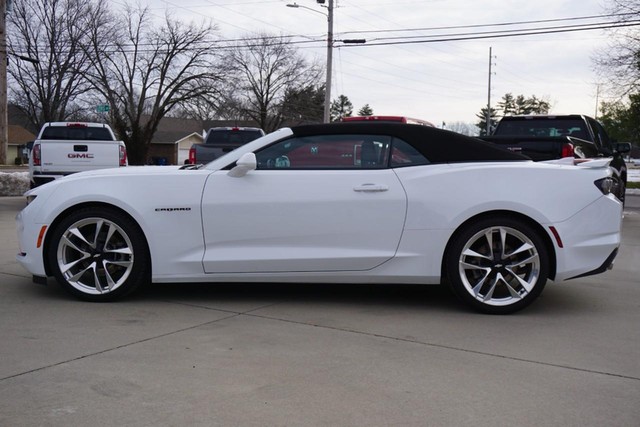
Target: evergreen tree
622 120
305 104
507 105
482 123
520 105
366 110
340 108
511 105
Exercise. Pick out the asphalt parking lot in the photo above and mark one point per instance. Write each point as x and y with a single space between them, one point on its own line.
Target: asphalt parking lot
319 355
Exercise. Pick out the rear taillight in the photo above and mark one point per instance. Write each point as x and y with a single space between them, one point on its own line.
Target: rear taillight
123 155
192 155
567 150
36 155
605 185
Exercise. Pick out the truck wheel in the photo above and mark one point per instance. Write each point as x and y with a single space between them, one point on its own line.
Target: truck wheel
497 265
98 254
622 191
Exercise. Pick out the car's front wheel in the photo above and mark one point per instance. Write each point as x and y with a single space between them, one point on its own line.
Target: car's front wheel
497 265
98 254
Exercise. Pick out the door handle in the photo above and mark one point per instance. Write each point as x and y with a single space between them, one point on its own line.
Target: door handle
371 188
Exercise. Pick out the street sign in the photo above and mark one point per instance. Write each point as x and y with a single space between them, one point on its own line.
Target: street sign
104 108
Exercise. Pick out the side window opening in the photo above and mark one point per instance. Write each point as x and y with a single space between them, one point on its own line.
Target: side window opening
403 154
327 152
601 135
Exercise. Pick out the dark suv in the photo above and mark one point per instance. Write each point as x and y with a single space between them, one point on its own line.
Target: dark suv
221 140
548 137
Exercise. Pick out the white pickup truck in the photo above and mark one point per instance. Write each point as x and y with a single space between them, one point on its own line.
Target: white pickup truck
63 148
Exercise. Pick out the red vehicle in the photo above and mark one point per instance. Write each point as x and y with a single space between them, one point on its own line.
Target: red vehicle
400 119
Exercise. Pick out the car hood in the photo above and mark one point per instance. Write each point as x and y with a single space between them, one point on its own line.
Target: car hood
130 171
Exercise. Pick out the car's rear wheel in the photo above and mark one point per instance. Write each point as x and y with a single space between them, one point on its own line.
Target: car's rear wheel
98 254
497 265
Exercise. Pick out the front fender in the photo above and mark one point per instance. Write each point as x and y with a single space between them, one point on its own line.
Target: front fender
166 208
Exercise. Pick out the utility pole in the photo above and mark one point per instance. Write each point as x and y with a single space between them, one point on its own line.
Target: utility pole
327 86
488 130
4 133
327 93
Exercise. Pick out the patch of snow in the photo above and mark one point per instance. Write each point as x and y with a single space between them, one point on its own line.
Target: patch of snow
14 183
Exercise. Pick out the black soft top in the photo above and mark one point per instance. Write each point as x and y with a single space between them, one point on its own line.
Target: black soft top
437 145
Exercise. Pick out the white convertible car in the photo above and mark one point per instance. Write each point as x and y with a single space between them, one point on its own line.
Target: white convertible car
337 203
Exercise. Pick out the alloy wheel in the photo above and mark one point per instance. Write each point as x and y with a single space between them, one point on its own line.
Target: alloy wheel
95 256
499 266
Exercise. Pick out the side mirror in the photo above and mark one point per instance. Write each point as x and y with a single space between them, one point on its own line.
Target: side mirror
623 147
247 162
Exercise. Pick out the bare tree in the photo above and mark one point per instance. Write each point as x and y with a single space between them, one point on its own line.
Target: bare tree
464 128
47 62
144 69
200 109
222 106
266 68
619 65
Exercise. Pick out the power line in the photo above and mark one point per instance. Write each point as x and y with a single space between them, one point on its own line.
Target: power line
412 89
400 40
480 33
422 74
499 24
520 33
412 52
431 39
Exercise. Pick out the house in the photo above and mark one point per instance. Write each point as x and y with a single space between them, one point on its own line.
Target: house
18 137
174 138
172 134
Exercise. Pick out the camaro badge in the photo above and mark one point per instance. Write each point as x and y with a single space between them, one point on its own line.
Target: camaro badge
172 209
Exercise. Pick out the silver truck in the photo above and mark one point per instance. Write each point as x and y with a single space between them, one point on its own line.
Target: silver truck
63 148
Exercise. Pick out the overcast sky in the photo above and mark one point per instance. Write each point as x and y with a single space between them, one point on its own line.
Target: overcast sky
444 81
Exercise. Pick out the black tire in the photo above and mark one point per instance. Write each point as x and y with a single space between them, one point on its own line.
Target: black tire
98 254
497 265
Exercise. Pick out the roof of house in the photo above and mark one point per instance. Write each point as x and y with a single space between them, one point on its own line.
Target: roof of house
17 135
194 134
